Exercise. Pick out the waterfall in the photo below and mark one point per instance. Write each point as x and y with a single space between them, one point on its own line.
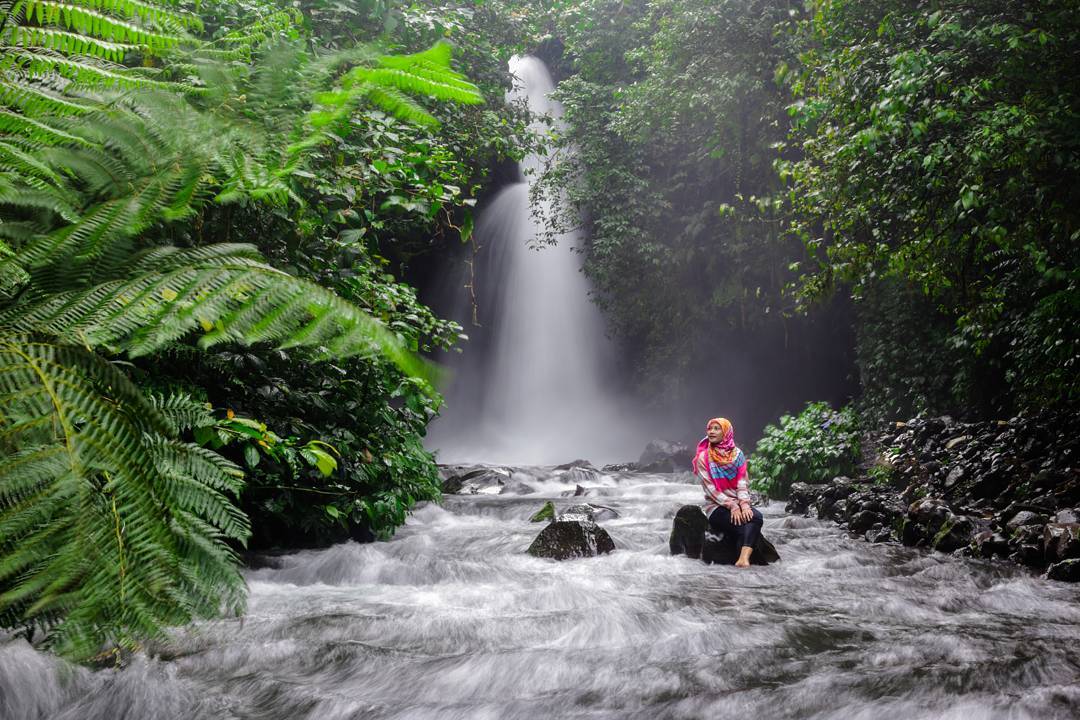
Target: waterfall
535 385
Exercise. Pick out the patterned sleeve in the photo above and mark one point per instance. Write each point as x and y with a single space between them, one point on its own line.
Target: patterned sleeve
711 493
743 488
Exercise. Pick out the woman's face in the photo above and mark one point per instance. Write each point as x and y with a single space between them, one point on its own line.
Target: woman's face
715 433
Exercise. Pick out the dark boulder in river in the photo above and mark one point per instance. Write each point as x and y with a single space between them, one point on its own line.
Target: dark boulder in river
566 539
690 536
720 550
688 531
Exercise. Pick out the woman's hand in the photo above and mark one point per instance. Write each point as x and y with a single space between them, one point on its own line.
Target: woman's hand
741 514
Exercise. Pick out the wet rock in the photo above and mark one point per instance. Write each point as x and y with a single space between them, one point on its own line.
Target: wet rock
665 456
990 544
956 441
1066 571
582 512
517 487
563 540
803 496
931 513
688 531
879 534
1067 516
580 491
956 474
588 511
832 509
472 480
619 467
720 550
863 521
956 532
1061 541
603 512
580 475
547 512
585 464
1024 517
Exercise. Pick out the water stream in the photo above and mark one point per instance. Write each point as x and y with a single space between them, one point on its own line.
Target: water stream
452 619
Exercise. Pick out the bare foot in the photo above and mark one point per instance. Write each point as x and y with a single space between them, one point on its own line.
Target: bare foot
744 557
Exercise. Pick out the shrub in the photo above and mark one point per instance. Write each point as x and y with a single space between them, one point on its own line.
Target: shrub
813 447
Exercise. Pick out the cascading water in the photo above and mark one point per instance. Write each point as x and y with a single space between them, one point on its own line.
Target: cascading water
453 620
541 391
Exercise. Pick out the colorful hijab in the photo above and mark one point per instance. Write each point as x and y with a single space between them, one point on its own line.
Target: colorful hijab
727 464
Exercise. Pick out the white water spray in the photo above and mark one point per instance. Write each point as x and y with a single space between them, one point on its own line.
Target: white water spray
544 392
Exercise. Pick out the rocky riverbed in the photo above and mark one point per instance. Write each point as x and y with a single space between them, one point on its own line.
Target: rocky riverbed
453 619
1005 489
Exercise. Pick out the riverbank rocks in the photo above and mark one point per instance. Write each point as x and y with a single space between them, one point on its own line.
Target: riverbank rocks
1000 488
691 536
572 538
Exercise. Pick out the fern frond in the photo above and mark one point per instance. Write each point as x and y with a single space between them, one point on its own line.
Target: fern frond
182 411
39 132
110 529
87 23
419 84
69 43
400 106
226 293
35 99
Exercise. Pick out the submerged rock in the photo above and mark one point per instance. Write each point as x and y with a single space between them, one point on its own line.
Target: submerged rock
566 539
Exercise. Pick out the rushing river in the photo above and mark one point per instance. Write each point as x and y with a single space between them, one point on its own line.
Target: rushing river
452 619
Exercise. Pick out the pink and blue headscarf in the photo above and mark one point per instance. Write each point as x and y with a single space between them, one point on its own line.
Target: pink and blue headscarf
727 464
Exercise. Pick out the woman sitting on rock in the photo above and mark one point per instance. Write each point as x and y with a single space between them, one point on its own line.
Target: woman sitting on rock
722 469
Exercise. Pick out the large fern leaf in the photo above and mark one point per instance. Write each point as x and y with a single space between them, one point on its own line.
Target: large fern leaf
224 293
111 529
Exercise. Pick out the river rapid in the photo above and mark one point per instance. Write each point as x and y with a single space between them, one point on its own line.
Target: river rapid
452 619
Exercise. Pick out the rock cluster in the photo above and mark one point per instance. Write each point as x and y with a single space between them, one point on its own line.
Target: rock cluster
1002 488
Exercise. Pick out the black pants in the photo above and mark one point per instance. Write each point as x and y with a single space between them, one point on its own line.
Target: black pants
745 535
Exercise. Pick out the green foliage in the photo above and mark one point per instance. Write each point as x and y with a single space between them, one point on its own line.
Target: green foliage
933 155
112 527
115 206
814 446
547 512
